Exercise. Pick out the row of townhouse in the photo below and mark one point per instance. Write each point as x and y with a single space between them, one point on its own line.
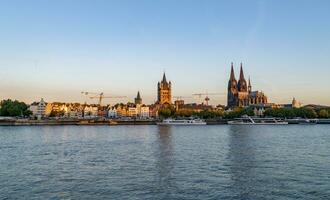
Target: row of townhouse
129 110
76 110
42 109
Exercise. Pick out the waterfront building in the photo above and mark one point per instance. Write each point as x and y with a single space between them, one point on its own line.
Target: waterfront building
112 112
75 110
34 108
260 108
38 109
240 93
132 112
164 92
178 104
193 107
91 111
102 111
129 110
295 103
41 109
67 110
153 110
74 113
121 110
144 112
48 109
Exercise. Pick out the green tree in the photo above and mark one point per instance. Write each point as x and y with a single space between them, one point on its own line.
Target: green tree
165 113
323 113
291 112
247 111
235 113
210 114
13 108
184 113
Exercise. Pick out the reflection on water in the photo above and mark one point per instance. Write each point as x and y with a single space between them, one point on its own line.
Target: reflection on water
242 163
165 158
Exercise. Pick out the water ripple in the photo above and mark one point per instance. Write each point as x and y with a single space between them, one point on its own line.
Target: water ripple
150 162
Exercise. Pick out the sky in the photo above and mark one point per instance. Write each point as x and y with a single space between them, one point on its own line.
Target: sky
57 49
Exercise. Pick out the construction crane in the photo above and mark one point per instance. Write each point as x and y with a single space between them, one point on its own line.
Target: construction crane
100 96
207 99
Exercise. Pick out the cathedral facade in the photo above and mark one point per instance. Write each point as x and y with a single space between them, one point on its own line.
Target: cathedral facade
164 91
240 93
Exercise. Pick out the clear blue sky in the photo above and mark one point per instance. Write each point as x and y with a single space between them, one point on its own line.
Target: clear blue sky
56 49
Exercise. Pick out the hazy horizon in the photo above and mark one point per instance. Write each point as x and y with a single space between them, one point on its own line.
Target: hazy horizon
54 50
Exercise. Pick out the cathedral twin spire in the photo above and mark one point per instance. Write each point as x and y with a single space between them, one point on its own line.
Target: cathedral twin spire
240 92
241 84
232 73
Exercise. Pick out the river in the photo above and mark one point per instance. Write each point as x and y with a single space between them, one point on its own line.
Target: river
151 162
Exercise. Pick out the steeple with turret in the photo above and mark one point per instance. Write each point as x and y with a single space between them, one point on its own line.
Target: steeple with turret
164 90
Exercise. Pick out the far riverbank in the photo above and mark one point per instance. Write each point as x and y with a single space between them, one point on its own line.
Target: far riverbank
107 122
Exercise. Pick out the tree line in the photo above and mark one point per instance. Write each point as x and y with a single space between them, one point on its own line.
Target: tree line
303 112
205 114
14 108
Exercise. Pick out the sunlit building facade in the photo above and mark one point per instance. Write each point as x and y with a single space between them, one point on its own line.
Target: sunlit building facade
164 89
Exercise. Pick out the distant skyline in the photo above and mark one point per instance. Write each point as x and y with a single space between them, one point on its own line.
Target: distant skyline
56 49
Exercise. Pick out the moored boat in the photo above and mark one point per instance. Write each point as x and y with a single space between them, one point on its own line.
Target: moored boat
187 122
302 121
247 120
323 121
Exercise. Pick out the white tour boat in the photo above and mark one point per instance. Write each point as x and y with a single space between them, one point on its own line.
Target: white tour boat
187 122
247 120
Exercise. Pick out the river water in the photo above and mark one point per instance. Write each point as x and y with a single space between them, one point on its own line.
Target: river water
151 162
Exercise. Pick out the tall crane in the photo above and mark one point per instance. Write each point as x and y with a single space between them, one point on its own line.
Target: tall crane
100 96
207 99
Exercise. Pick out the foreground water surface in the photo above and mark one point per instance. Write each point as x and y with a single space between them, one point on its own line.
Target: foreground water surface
151 162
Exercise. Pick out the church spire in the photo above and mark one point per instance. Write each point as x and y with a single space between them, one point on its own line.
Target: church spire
241 74
242 85
138 99
164 78
138 95
250 86
232 73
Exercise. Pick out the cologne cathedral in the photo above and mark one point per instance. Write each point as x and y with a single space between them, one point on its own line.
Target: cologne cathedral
240 93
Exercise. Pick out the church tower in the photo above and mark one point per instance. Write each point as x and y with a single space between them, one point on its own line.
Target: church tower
138 99
242 86
164 91
232 89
